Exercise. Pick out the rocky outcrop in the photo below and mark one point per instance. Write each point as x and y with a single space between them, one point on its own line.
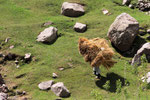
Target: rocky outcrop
123 31
72 9
143 5
48 35
145 49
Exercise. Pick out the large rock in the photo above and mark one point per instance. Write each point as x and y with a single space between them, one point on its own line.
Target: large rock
60 90
3 96
48 35
123 31
126 2
46 85
145 49
72 9
79 27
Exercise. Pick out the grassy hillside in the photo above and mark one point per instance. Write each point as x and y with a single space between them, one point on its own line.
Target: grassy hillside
22 19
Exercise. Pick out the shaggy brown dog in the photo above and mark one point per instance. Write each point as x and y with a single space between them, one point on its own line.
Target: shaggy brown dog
97 52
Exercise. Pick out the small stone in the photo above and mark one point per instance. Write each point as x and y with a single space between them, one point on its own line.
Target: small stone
7 39
16 62
143 79
109 14
23 92
11 47
17 66
54 75
105 11
146 78
48 23
131 6
148 31
61 68
27 57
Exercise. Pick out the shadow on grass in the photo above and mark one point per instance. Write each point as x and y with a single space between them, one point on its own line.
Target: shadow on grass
112 77
137 44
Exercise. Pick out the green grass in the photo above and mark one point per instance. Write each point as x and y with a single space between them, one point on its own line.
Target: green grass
22 19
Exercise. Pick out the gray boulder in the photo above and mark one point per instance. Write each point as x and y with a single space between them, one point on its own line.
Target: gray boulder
48 35
60 90
46 85
145 49
123 31
126 2
72 9
3 96
79 27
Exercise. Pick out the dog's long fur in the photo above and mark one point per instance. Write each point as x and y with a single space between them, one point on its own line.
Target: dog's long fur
97 52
